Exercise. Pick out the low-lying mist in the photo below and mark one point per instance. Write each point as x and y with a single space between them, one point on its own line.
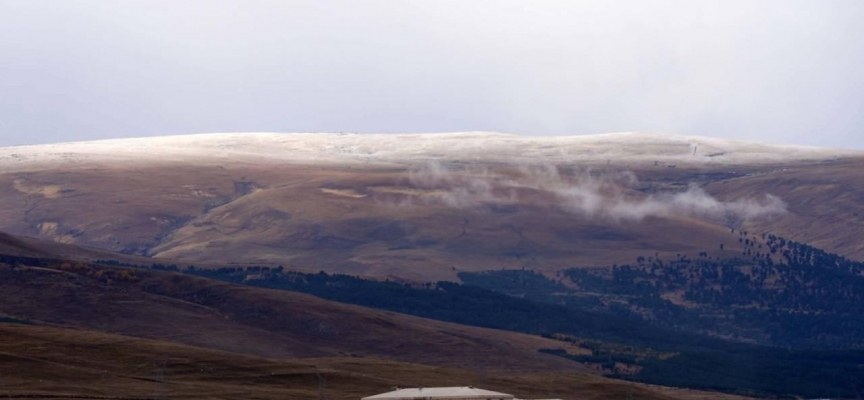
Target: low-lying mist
595 194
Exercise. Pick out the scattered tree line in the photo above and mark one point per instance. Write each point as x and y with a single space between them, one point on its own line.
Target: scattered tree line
627 307
778 292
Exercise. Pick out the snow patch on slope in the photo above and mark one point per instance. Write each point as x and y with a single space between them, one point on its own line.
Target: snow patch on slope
488 147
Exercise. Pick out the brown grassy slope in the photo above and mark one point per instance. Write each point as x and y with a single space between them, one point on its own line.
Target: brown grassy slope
44 362
387 221
26 246
16 246
127 209
365 221
825 202
421 242
240 319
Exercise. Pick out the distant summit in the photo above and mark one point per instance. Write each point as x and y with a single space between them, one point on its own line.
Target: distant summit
615 148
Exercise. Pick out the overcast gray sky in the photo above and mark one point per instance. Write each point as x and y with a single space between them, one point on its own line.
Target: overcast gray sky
783 71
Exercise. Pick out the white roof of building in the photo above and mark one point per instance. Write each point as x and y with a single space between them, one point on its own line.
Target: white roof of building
451 393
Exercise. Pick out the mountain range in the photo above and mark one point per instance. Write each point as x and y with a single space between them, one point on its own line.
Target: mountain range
630 255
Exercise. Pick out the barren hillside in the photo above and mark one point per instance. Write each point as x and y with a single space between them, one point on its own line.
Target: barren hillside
74 330
51 363
261 322
427 206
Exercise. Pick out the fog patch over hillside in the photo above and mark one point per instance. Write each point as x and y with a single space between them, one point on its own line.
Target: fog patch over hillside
611 195
461 188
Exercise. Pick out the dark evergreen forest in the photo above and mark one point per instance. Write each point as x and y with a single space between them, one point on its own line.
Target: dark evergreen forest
779 319
778 293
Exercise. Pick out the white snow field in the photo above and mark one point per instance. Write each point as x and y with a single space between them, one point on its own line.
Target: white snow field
218 148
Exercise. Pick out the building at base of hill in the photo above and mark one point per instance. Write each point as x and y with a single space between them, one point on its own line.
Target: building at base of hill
442 393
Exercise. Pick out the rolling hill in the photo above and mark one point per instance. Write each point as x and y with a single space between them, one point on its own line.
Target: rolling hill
56 363
647 240
74 330
427 207
205 313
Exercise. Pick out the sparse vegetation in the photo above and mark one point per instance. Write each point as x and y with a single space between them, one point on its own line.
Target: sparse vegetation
625 347
47 362
770 368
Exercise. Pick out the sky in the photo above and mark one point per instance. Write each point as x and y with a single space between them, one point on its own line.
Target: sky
773 71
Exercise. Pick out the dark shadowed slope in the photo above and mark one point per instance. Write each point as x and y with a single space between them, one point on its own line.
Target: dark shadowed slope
248 342
53 363
241 319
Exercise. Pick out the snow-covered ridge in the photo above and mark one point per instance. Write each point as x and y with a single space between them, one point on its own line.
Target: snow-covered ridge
614 148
